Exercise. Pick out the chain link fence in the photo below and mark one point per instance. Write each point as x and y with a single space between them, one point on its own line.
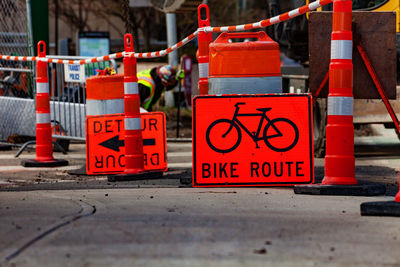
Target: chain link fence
15 77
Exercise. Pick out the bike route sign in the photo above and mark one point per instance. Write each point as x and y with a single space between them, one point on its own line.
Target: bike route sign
105 144
252 140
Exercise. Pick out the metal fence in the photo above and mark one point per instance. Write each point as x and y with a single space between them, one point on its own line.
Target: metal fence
68 100
67 105
14 38
16 78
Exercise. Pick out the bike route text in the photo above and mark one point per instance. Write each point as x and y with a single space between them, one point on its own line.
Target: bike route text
256 169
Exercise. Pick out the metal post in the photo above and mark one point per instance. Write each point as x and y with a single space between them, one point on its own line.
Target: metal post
172 57
172 38
29 22
56 25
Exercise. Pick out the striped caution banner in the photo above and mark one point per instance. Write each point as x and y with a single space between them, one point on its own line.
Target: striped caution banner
261 24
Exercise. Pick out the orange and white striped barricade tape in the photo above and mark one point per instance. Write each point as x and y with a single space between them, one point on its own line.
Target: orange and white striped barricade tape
339 176
207 29
44 146
239 67
204 40
134 157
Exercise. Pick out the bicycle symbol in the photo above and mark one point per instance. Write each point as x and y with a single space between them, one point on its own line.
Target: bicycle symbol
217 131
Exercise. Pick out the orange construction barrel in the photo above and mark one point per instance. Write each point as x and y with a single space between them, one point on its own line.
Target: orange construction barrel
251 67
105 94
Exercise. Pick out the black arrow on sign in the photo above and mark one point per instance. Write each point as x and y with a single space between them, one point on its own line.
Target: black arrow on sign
114 143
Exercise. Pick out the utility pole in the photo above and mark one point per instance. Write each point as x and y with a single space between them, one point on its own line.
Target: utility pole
56 26
172 57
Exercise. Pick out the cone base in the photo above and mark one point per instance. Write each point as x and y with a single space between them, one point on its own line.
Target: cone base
34 163
381 208
341 190
135 176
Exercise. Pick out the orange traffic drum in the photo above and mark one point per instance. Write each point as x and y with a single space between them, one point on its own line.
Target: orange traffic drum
105 94
246 67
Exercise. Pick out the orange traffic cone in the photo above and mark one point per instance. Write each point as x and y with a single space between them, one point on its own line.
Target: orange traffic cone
44 146
339 160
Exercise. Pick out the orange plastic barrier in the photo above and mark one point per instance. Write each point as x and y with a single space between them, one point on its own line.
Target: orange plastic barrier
251 67
105 94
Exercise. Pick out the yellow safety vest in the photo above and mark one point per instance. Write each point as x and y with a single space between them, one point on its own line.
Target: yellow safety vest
145 78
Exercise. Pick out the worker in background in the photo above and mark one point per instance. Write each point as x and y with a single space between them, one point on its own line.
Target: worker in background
153 82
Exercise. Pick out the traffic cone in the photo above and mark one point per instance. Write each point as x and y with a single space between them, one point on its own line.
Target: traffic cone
44 146
339 160
134 158
382 208
204 40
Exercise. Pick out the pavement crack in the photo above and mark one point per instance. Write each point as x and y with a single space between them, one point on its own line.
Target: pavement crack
54 228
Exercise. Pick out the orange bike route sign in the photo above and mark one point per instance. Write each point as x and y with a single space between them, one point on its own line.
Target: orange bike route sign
252 140
105 144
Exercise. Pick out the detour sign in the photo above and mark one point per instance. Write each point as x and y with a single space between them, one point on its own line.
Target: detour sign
252 140
105 145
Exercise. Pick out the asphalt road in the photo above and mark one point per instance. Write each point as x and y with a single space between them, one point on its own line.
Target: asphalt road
51 218
192 227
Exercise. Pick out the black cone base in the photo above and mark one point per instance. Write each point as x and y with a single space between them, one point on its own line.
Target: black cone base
341 190
134 177
34 163
381 208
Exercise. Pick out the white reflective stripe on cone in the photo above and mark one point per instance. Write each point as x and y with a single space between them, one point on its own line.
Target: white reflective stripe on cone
245 85
133 124
131 88
203 70
42 117
340 105
42 88
104 107
341 49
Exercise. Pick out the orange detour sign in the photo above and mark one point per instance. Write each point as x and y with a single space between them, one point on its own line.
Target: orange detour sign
252 140
105 146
